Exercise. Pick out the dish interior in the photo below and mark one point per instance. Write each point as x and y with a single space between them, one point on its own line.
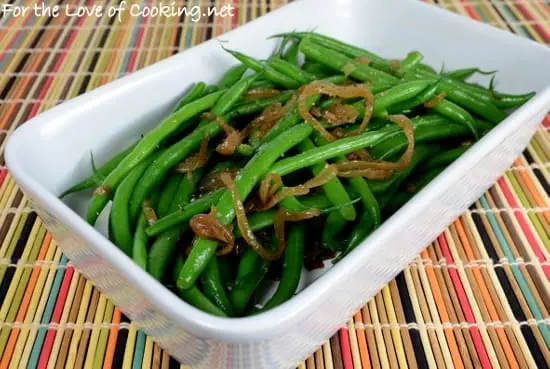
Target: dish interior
111 118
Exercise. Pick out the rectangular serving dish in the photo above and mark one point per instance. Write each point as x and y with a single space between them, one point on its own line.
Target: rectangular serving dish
51 151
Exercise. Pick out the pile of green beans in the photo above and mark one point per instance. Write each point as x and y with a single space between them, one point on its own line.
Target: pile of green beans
155 202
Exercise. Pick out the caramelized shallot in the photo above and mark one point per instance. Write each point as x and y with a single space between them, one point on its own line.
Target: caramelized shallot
196 161
381 169
240 214
103 191
212 182
346 92
209 227
269 196
281 217
339 113
149 212
232 139
435 101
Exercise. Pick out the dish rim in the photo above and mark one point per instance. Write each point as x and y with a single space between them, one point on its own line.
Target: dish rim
277 320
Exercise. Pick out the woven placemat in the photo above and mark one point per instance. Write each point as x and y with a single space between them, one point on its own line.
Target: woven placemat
477 297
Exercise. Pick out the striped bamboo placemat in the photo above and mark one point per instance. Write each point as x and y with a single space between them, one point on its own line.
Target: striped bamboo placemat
477 297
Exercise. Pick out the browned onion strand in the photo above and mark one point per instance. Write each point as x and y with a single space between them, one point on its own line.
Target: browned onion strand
269 117
406 125
339 113
209 227
345 92
375 169
242 221
149 212
269 186
103 191
281 217
212 182
369 173
260 93
432 103
264 121
199 160
272 198
232 139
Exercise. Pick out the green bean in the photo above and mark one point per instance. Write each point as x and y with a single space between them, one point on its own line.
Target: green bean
119 223
358 234
457 114
268 72
258 221
483 95
210 89
412 60
401 198
232 76
293 117
258 105
195 297
244 150
421 153
262 83
198 206
194 93
445 158
292 267
139 244
265 219
247 264
164 247
417 100
161 252
341 47
180 150
398 94
334 224
462 74
343 146
426 68
227 272
255 169
455 91
338 62
291 54
244 288
214 288
145 147
316 68
291 70
426 129
167 194
333 189
98 174
488 112
186 189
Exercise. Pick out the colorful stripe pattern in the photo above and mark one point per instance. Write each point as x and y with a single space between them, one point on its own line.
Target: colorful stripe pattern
479 296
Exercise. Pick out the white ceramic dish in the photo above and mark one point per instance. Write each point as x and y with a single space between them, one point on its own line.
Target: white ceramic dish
52 151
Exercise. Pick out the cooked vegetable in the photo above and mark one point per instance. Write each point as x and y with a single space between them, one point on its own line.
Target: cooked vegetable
323 135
